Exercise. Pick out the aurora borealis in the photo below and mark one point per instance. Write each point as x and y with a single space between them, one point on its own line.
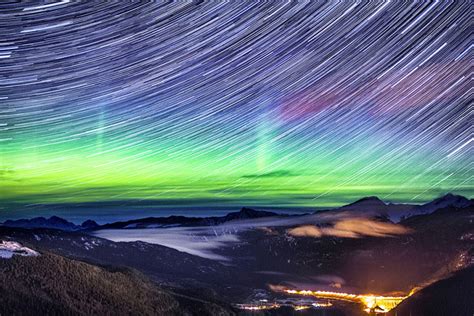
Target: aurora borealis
250 103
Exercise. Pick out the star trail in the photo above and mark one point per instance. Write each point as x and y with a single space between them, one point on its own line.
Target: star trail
251 103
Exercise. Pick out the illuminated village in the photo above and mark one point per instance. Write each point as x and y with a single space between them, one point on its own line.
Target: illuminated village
372 304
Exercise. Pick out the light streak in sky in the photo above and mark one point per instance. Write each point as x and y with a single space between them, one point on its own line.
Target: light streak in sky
313 103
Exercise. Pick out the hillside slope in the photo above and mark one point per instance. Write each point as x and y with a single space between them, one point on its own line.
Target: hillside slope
451 296
53 285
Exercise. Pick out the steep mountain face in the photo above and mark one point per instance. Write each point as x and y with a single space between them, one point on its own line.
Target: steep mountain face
373 206
448 200
447 297
49 284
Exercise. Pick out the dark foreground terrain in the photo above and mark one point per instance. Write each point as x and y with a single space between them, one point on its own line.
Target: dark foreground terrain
450 296
54 285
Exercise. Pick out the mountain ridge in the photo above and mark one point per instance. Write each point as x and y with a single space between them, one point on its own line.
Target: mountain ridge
366 205
54 222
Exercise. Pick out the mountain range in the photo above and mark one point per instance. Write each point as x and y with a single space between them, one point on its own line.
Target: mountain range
366 206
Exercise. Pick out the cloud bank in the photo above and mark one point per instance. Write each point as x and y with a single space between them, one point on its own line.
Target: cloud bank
351 228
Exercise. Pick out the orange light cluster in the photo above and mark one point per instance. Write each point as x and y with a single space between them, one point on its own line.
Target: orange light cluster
301 307
381 303
328 304
251 307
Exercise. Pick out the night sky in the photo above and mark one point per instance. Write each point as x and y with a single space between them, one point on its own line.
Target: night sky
277 104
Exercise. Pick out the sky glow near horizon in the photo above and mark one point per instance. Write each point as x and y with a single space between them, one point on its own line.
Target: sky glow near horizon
277 104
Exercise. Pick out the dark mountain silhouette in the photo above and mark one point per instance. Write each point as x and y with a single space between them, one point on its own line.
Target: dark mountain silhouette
446 297
89 224
374 206
41 222
445 201
367 206
247 213
154 222
54 222
396 212
366 201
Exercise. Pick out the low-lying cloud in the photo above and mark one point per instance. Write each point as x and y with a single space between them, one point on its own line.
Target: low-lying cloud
198 241
351 228
208 241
